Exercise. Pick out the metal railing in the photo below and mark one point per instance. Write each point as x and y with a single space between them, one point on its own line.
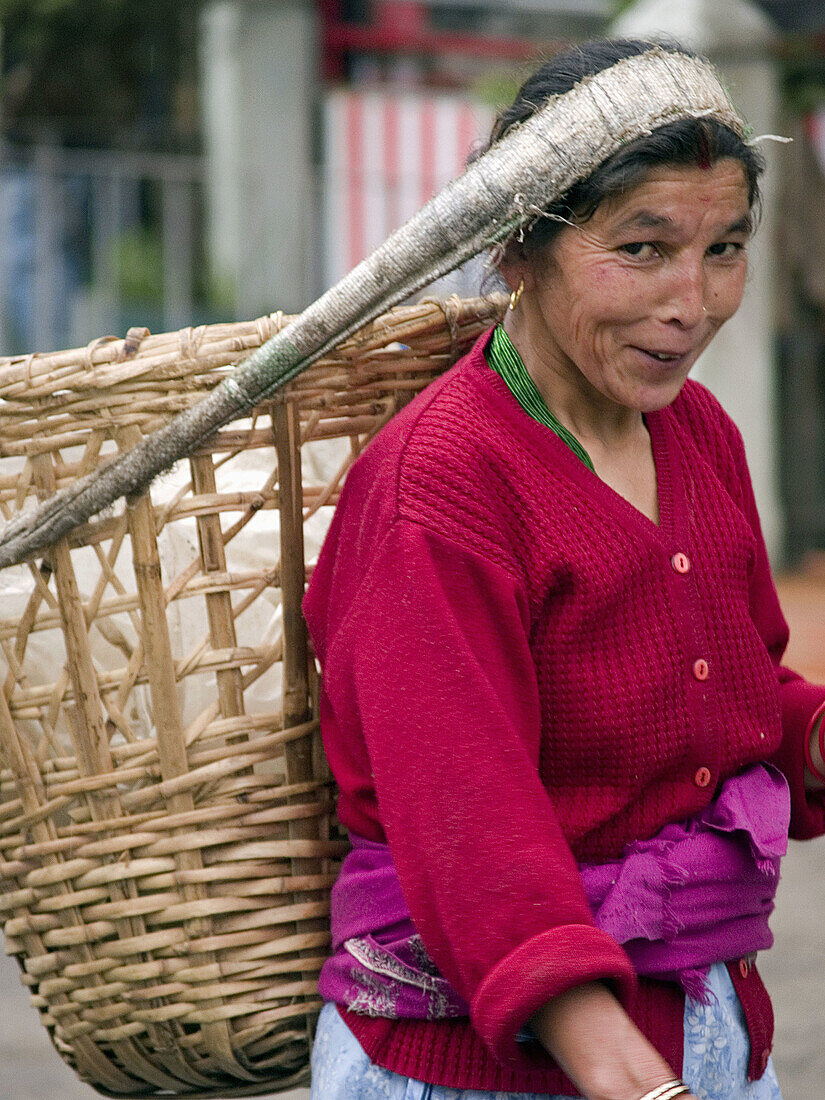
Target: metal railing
95 241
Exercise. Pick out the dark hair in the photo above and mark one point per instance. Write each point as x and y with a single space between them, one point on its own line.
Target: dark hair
687 141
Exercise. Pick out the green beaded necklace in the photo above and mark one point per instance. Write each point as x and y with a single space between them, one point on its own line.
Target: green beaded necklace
502 356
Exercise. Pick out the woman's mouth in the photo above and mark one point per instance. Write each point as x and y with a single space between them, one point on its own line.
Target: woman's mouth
663 358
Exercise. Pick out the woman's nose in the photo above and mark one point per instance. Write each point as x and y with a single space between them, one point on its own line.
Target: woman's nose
686 302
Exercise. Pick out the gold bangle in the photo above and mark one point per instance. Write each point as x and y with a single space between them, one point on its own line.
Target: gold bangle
667 1092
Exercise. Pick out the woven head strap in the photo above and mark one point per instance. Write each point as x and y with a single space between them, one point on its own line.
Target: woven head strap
575 132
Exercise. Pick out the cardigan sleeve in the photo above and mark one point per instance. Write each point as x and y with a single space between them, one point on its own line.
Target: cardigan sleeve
799 698
431 667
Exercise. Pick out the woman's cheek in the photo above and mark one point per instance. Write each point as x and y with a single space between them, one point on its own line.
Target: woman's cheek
618 292
728 290
583 329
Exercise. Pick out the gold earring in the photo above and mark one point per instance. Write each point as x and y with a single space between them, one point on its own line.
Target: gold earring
516 294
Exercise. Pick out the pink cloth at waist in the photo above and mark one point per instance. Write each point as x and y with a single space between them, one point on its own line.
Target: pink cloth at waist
698 892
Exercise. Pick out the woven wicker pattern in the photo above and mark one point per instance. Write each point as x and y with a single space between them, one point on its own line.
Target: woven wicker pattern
167 829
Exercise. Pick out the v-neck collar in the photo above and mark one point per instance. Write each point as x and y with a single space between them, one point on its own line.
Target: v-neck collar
669 484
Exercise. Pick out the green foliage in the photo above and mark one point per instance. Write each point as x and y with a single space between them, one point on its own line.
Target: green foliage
35 9
803 81
139 260
91 70
498 88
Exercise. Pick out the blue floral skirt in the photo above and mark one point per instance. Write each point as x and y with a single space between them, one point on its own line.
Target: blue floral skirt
715 1060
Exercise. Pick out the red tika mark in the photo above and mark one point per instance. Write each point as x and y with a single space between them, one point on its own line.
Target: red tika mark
703 158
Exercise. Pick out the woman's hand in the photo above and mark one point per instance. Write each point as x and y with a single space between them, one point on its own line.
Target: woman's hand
597 1045
815 756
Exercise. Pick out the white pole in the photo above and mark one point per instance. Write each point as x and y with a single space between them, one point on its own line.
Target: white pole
260 93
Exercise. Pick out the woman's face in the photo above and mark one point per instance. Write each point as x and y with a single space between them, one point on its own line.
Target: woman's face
626 303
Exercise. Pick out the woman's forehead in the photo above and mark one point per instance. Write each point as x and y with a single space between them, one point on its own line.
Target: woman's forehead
669 190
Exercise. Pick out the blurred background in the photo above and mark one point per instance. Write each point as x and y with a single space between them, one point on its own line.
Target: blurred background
172 163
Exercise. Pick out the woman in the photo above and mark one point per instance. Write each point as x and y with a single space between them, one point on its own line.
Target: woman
567 752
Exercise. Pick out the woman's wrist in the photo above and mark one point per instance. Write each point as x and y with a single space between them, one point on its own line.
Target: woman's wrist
814 745
598 1046
667 1092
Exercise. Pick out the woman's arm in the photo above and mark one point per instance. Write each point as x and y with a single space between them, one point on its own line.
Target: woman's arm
590 1035
432 703
815 765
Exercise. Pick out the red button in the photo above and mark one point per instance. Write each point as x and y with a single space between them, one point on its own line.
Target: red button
700 669
680 562
744 969
702 777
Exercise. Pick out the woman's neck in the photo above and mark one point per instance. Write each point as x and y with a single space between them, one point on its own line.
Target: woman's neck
594 420
615 437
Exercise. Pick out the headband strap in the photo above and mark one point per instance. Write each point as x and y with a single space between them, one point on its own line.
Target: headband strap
572 134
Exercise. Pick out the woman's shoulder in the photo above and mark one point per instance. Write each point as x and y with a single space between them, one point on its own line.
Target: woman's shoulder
444 461
700 416
696 403
427 470
443 437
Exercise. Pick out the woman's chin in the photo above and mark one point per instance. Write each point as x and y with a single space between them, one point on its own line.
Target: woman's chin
653 396
643 385
660 399
647 397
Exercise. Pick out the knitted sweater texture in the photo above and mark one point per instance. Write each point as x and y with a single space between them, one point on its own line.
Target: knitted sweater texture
520 672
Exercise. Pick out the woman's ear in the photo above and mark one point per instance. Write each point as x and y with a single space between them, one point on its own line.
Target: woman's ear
515 268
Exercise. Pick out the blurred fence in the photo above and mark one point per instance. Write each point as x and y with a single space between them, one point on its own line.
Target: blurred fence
95 241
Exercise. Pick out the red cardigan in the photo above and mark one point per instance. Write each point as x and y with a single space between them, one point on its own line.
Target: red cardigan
521 671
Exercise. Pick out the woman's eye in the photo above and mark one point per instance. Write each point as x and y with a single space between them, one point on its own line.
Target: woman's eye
641 249
728 249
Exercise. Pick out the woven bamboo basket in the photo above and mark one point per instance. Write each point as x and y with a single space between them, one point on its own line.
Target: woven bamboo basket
167 829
